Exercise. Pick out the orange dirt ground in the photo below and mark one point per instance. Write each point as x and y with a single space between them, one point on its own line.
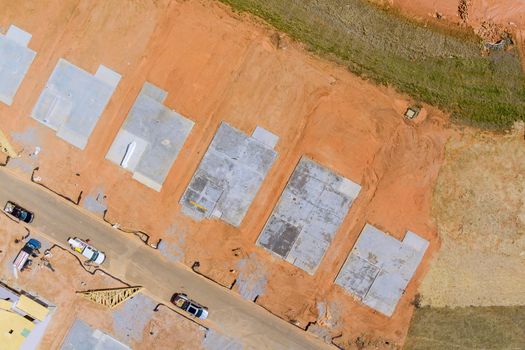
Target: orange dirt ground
220 66
502 12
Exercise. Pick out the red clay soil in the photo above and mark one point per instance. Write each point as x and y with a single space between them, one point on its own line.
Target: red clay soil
502 12
220 66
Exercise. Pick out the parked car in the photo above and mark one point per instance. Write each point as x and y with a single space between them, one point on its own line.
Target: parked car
19 212
182 301
86 250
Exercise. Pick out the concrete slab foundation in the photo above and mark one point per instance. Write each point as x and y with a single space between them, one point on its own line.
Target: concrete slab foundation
15 60
379 268
73 100
150 139
82 337
228 176
308 214
265 137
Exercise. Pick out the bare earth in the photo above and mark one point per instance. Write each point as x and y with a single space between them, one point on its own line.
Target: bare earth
219 66
480 207
502 12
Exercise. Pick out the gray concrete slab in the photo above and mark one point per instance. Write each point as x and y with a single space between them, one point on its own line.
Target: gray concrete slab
108 76
385 292
410 255
252 278
150 139
359 275
377 247
95 201
379 268
266 137
15 60
308 214
154 92
120 147
280 235
228 177
130 319
310 247
217 341
82 337
19 35
73 100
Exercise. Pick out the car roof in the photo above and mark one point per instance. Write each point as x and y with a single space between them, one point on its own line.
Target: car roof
204 313
19 207
197 308
100 258
196 305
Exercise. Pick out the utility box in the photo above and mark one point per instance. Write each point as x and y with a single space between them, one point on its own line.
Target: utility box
412 112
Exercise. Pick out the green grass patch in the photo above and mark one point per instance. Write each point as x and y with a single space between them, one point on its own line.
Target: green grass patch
487 328
439 66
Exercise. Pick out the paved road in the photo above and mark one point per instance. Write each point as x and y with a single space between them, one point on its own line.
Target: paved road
134 262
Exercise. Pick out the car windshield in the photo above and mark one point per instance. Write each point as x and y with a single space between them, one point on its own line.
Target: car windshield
22 215
94 256
192 310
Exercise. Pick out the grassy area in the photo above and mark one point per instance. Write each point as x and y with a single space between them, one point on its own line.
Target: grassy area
440 67
467 328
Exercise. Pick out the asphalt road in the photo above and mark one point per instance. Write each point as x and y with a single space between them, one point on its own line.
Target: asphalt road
132 261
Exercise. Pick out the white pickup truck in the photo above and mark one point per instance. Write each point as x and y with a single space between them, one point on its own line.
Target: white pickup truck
86 250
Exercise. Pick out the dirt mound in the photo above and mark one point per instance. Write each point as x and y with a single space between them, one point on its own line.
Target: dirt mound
463 10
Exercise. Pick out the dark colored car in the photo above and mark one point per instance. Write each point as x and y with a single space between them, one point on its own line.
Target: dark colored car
182 301
19 212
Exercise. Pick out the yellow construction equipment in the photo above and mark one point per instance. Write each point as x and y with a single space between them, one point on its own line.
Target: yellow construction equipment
110 297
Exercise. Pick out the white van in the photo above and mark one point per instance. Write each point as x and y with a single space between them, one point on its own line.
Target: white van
86 250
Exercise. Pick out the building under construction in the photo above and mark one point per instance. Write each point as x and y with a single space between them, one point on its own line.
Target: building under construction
23 319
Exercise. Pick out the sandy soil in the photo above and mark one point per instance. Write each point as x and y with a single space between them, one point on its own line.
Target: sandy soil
162 329
219 66
480 209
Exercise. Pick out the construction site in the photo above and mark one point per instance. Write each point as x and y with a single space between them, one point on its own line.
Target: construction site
184 129
87 310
